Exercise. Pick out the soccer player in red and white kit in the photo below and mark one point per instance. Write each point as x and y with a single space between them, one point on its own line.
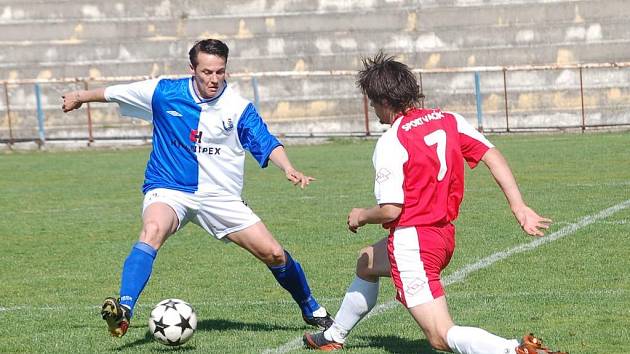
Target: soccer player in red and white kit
419 185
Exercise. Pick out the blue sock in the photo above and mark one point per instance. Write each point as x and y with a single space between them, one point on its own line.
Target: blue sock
135 274
291 277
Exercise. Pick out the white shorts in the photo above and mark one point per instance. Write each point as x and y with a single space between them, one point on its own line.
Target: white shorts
218 215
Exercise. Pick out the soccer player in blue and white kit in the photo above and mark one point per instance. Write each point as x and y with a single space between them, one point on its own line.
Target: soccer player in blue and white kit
201 130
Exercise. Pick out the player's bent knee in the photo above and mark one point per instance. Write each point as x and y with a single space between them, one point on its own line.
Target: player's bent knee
152 234
274 257
277 256
365 262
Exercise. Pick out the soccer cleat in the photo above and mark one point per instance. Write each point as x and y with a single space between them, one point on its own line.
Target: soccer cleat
116 316
533 345
320 322
317 341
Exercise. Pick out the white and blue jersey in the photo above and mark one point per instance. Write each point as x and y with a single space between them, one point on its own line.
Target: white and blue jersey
198 144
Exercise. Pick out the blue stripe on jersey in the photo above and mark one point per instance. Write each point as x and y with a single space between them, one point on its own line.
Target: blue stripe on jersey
173 162
255 137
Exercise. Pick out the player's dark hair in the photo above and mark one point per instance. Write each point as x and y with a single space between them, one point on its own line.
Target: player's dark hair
208 46
385 79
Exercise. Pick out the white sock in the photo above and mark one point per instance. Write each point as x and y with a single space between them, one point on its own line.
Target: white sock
320 312
360 298
471 340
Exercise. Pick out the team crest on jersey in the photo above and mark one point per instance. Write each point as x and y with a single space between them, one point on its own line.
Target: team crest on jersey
228 126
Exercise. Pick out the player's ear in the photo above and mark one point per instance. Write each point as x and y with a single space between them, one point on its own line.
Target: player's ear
192 68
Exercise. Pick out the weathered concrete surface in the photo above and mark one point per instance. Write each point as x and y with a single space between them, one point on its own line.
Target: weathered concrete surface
86 38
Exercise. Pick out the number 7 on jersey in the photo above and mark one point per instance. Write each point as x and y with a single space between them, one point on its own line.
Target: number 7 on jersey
438 137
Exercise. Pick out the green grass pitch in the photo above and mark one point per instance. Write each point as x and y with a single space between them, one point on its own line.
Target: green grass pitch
70 218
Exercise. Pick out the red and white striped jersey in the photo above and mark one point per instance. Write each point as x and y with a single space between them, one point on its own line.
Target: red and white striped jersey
419 163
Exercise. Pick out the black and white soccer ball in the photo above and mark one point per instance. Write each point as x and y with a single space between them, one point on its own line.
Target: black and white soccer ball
172 322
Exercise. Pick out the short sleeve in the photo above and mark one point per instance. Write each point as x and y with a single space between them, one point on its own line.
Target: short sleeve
473 144
388 159
255 137
134 99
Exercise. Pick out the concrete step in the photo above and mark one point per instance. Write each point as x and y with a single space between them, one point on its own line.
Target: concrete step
468 20
44 11
82 60
160 46
388 19
526 34
133 49
431 13
326 38
561 53
508 13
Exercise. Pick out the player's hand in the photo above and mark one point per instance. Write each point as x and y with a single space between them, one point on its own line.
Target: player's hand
71 101
532 223
298 178
354 219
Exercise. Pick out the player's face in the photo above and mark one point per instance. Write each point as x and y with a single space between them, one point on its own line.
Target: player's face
209 74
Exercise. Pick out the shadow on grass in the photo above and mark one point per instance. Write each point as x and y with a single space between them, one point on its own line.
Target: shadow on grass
148 338
226 325
397 345
212 325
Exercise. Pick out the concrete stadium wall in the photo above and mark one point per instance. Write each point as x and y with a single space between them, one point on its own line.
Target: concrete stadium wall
88 38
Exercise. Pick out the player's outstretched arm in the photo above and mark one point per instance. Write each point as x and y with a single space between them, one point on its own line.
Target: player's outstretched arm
379 214
74 99
532 223
279 158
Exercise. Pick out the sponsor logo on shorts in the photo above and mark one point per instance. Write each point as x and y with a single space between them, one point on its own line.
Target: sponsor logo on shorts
415 286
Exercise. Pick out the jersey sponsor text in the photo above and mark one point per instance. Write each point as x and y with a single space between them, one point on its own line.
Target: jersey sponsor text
210 150
422 119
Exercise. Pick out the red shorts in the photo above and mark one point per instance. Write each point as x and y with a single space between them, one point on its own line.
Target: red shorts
417 256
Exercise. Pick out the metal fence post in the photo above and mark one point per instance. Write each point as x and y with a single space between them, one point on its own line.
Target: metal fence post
366 115
479 102
255 88
582 101
40 116
507 119
6 100
421 90
89 117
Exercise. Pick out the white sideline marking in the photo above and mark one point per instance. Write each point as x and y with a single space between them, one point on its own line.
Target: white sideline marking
486 262
609 184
